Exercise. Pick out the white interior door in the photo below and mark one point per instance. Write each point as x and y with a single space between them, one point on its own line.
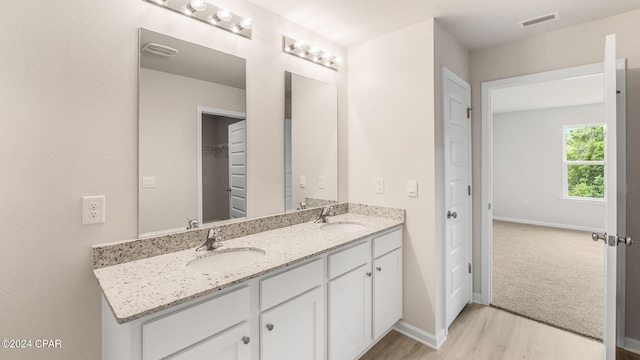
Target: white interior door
456 124
237 170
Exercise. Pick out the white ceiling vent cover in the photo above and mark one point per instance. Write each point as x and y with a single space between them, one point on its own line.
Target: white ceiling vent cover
161 50
539 20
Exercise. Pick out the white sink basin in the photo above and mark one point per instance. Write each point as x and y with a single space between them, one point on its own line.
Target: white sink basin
225 261
342 227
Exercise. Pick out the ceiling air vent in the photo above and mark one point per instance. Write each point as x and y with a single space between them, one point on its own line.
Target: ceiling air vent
539 20
161 50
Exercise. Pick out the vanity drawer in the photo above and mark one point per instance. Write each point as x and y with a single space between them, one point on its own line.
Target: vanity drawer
345 260
166 335
387 242
286 285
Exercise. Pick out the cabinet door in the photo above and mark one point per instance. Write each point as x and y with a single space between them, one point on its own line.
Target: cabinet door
232 344
387 292
350 313
295 329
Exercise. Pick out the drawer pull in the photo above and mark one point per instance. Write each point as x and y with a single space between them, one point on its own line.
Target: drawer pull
368 273
269 327
379 268
246 339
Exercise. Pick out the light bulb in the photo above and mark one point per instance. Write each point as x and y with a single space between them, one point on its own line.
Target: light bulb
223 14
314 50
246 24
194 5
299 44
338 60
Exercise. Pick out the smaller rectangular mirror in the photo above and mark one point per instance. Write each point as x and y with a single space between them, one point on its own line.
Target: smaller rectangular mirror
311 142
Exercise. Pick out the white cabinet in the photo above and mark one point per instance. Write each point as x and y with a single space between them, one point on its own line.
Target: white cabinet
294 329
387 292
350 314
365 294
232 344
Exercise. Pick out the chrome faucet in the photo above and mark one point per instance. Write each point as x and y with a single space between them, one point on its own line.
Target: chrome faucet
325 212
303 205
212 242
193 224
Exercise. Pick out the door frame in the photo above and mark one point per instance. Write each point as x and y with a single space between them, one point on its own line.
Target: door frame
487 173
204 110
448 74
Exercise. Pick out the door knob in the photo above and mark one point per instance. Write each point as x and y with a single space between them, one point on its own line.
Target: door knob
452 215
596 236
269 327
627 240
246 339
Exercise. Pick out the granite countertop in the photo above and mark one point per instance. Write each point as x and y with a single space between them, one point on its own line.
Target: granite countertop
142 287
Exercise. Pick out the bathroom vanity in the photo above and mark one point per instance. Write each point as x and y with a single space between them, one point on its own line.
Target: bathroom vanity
305 291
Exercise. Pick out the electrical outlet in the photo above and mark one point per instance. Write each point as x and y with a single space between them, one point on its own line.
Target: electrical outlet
92 210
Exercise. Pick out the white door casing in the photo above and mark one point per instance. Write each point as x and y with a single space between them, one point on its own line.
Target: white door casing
237 170
201 110
611 194
456 124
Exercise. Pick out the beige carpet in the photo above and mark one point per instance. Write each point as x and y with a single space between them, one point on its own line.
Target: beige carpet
551 275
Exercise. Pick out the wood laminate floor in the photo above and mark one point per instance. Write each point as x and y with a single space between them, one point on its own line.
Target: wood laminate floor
487 333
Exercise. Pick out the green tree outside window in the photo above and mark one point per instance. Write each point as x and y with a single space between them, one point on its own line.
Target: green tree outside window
584 145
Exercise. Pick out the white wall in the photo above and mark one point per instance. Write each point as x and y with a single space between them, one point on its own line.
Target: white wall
527 166
69 110
314 107
167 144
394 134
577 45
391 132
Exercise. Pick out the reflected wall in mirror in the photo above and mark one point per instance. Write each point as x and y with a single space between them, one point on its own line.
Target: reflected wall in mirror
192 110
311 142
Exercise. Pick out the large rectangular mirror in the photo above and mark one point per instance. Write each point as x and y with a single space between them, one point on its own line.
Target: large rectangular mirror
192 121
311 142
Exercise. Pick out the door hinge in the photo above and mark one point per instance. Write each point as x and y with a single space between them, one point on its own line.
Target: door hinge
469 112
469 268
469 188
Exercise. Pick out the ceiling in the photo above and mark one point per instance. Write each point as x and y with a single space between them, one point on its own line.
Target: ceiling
193 61
549 94
475 23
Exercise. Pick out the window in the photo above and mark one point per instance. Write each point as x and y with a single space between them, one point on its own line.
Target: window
584 162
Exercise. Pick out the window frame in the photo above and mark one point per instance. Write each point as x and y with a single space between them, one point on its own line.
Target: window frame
566 163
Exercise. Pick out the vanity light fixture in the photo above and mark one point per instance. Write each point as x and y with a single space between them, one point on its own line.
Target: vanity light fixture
208 13
311 53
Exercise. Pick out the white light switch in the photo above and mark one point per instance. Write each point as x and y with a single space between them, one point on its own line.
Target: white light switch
321 182
148 182
303 181
412 188
379 186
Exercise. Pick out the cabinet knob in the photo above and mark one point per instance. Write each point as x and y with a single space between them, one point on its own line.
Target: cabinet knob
368 274
379 268
269 327
246 339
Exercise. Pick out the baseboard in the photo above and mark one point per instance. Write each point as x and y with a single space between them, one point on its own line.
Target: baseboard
542 223
477 298
421 336
632 345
